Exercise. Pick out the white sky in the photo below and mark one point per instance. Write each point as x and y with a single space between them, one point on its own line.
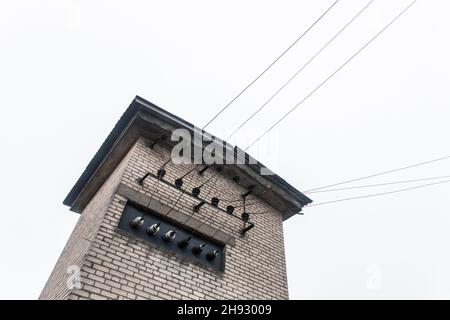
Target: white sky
68 70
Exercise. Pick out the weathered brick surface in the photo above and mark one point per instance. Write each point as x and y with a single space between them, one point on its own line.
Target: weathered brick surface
117 266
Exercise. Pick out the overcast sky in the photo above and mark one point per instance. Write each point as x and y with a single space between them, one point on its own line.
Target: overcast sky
68 70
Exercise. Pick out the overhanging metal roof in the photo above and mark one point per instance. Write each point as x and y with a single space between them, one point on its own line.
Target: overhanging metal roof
143 118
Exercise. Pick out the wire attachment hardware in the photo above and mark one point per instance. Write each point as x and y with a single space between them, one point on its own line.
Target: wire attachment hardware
197 207
141 180
198 249
210 256
161 173
196 192
137 222
170 235
153 229
215 201
249 192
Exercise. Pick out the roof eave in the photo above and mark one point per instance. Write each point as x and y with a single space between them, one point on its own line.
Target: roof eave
140 118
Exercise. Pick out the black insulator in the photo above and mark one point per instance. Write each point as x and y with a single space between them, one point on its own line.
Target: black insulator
215 202
230 209
237 179
137 222
141 180
196 192
197 207
245 216
161 173
184 243
248 228
210 256
198 249
179 183
203 170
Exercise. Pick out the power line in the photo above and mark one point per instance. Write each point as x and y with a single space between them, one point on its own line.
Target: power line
270 65
378 185
371 185
379 174
300 70
365 196
330 76
379 194
188 184
205 221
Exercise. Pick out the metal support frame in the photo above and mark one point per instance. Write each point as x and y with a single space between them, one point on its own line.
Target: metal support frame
141 180
198 206
204 202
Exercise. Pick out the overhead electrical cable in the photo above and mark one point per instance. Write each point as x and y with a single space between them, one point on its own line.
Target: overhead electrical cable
329 77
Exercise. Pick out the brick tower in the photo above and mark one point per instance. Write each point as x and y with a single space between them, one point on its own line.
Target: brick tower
144 233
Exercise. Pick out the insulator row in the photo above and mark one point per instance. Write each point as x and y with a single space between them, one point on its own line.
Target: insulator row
171 235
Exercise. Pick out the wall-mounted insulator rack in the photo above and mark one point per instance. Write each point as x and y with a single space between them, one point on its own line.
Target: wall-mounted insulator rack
155 229
229 210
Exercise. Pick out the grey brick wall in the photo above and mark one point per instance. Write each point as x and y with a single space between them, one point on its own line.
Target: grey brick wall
117 266
79 243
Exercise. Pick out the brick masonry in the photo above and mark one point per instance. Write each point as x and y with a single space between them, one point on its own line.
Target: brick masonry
114 265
